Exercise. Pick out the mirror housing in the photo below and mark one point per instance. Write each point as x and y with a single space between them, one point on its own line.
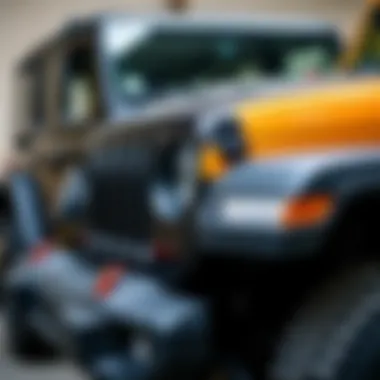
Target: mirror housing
24 139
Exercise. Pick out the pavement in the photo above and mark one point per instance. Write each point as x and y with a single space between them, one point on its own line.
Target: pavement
11 369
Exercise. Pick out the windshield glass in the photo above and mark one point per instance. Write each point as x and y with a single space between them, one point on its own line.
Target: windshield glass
145 62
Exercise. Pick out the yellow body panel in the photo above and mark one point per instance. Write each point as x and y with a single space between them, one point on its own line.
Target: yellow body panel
339 116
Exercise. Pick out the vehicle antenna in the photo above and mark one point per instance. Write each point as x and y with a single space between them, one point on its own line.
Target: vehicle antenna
178 6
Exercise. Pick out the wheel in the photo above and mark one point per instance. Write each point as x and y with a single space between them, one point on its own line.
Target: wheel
21 340
336 336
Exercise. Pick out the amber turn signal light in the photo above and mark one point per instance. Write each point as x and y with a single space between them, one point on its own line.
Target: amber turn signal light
211 163
307 211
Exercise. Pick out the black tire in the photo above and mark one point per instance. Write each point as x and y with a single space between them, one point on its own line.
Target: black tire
336 336
22 341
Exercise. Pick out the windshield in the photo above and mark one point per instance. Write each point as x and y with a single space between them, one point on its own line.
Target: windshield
147 62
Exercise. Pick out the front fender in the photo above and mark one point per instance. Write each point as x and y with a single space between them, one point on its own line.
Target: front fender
344 175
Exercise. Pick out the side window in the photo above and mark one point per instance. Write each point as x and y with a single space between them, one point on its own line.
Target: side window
30 101
79 100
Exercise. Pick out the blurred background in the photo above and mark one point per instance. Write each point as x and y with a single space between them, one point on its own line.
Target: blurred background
25 22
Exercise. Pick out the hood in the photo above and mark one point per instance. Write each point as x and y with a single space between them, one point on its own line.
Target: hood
336 114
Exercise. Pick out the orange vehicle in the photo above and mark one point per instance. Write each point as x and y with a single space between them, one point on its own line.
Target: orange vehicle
96 77
247 215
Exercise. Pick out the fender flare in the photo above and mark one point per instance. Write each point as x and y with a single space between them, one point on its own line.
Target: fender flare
346 175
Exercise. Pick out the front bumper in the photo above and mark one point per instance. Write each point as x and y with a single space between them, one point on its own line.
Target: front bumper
175 326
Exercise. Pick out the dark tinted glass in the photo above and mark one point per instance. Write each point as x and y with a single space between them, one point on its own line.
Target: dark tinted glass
169 60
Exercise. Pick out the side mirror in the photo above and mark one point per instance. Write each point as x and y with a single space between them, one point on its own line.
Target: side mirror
23 140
